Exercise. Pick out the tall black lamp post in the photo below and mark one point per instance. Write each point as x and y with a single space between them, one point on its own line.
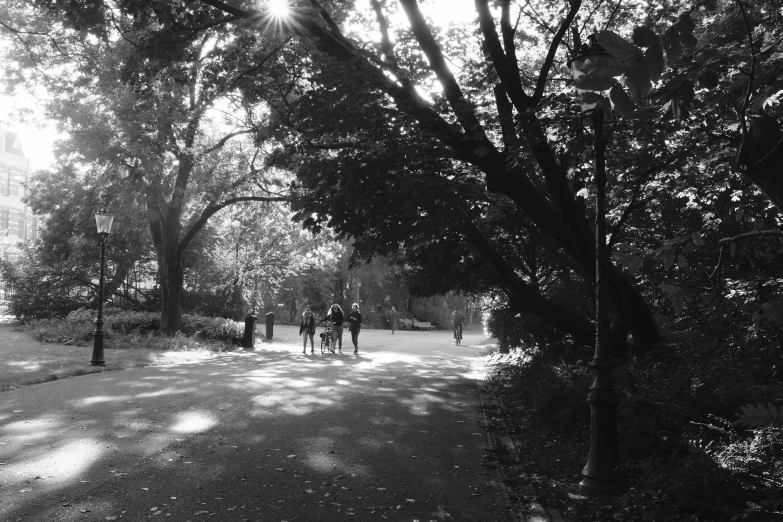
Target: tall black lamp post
103 221
600 474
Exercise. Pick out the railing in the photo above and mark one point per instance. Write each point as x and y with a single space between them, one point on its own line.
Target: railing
6 292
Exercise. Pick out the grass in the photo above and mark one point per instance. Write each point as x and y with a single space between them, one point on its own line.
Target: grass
62 354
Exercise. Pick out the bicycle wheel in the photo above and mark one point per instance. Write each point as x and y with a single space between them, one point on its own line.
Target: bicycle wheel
322 345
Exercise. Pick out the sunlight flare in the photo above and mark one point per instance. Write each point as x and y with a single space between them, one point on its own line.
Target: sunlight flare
279 8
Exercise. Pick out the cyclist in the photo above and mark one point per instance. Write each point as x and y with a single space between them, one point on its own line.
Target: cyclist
457 318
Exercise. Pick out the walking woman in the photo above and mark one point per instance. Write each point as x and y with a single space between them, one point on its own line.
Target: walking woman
354 325
307 329
336 317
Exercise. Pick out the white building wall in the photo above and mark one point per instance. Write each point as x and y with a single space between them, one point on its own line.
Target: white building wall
17 223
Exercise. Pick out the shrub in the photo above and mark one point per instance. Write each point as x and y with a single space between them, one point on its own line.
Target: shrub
137 329
136 322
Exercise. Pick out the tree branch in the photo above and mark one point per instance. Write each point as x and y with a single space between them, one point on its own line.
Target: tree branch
550 55
756 233
212 210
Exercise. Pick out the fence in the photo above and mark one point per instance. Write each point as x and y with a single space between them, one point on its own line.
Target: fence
6 292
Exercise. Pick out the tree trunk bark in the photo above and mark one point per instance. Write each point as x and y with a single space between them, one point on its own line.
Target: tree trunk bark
171 279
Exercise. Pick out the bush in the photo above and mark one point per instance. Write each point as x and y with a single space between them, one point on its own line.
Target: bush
132 322
131 327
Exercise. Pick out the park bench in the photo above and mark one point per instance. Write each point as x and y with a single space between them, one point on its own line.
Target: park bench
422 325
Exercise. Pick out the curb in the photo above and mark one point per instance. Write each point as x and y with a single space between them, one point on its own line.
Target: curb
520 508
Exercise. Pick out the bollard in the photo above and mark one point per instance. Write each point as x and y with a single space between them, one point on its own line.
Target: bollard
270 323
249 339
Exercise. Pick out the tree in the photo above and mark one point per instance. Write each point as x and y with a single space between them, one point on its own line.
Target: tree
164 128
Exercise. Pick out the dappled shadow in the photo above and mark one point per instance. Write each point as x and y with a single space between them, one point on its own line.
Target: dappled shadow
386 433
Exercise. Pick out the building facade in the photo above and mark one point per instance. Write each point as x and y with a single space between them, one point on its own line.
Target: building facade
17 223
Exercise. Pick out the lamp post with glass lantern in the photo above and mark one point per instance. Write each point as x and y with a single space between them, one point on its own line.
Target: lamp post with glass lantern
595 70
103 221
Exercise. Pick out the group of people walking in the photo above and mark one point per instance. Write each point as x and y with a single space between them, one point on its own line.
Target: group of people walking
337 318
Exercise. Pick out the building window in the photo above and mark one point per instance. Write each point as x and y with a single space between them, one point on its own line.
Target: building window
5 181
3 221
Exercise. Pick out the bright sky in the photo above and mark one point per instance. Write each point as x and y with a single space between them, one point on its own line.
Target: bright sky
21 115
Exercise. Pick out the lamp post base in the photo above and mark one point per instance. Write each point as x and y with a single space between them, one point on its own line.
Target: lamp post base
607 485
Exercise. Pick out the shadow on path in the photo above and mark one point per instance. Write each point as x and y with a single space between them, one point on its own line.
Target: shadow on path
269 434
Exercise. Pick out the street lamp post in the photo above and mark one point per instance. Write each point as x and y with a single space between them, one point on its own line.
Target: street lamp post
597 69
600 475
103 220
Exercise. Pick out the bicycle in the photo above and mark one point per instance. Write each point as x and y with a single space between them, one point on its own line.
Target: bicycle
458 333
326 339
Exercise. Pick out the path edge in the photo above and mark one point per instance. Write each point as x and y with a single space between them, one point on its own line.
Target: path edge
505 440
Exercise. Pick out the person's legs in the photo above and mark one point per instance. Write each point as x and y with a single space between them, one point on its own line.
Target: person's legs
312 342
304 338
338 331
355 339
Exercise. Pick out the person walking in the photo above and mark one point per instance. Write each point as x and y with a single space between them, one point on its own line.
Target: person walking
457 318
393 318
336 317
354 325
307 329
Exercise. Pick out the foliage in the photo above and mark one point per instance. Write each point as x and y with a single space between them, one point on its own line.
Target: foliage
759 416
119 324
39 291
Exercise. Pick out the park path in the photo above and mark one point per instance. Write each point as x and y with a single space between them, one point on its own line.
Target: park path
270 434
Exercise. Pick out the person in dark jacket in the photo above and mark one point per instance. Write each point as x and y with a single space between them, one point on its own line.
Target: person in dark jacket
336 317
354 325
307 329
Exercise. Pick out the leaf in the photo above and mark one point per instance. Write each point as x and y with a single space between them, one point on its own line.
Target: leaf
733 249
679 303
670 289
739 213
672 46
622 103
635 265
655 62
668 261
588 97
698 240
638 80
592 82
688 41
682 261
618 46
645 37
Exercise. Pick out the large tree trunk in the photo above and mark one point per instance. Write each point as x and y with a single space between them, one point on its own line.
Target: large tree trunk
170 274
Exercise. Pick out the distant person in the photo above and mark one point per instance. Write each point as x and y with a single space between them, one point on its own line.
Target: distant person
307 329
336 317
393 318
457 318
355 325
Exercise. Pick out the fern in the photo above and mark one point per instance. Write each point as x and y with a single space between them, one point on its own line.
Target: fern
759 416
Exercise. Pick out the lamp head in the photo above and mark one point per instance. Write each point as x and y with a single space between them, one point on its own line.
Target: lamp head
104 220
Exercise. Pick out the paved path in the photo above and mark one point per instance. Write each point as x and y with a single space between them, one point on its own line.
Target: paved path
269 434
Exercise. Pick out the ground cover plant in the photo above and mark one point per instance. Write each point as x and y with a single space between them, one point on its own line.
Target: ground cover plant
694 444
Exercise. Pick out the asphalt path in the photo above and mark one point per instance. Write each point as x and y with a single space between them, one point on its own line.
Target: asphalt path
268 434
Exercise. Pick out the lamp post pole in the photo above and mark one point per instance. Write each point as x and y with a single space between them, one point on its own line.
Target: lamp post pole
97 347
600 475
103 221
